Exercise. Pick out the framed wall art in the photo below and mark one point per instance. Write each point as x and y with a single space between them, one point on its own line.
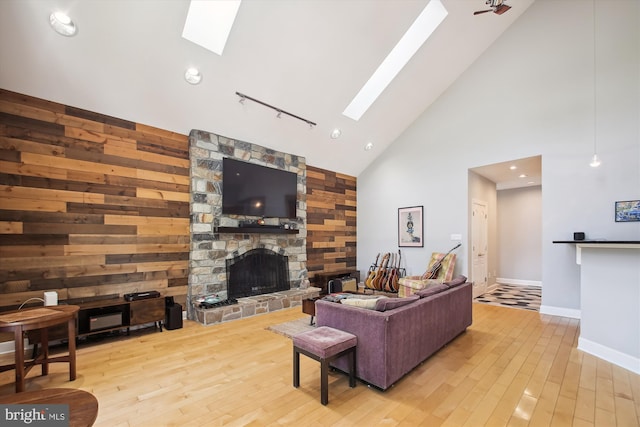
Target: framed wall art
628 211
410 227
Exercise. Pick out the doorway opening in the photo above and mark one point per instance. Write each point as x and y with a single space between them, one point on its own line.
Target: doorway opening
505 224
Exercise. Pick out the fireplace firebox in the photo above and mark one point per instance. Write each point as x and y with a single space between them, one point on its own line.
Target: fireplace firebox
256 272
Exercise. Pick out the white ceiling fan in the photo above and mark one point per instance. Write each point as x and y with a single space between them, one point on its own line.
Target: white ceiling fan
497 6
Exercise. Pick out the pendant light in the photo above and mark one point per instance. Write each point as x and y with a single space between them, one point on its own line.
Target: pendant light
595 161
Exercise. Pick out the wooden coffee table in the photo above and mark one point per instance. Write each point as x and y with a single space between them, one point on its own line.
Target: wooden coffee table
83 406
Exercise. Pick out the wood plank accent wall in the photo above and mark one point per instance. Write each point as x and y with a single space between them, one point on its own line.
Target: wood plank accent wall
331 221
91 205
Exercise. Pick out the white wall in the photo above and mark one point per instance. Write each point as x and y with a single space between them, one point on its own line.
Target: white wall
520 234
529 94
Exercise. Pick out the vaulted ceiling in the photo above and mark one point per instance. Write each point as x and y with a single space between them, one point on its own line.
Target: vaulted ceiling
307 57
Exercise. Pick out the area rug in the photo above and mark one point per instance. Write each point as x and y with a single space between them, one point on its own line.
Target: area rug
524 297
289 329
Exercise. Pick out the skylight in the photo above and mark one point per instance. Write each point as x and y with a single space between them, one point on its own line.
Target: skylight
209 23
424 25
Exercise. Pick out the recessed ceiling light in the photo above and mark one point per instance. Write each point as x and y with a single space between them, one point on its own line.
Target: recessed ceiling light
62 24
522 176
424 25
209 23
369 146
193 76
335 134
514 167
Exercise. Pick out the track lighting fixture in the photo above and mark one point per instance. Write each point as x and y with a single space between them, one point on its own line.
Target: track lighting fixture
193 76
278 110
62 24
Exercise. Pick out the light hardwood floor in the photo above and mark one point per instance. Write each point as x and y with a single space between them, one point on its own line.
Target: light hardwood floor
511 367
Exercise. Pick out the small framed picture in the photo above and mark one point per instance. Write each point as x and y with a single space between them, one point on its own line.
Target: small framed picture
628 211
410 227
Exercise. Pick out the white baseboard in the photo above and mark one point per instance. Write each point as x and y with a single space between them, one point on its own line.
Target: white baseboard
610 355
560 311
518 282
492 287
10 346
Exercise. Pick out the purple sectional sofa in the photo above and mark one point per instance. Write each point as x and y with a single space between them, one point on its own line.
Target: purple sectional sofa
393 342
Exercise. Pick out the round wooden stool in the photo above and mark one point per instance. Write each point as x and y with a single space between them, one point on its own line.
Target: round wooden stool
83 406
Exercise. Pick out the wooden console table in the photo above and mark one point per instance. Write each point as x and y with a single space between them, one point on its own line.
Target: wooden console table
40 318
83 406
127 314
131 313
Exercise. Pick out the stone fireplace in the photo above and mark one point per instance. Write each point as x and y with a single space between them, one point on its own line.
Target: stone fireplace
216 238
257 272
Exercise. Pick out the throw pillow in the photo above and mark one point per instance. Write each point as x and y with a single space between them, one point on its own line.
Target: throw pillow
416 282
368 303
332 298
385 304
432 290
459 280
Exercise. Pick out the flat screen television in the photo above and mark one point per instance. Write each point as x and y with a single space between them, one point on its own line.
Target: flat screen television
254 190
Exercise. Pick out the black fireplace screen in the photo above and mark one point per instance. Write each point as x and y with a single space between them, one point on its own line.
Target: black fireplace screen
256 272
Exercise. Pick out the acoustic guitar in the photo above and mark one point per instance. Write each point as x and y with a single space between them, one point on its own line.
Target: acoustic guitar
377 280
372 273
435 268
396 273
389 276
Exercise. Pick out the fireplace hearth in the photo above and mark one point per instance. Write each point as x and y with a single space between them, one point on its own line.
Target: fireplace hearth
256 272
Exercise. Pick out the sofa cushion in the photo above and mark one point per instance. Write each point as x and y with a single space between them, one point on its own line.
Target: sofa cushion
457 281
410 285
385 304
432 290
368 303
415 282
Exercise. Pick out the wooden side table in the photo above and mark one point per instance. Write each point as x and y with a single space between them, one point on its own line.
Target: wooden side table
309 307
20 321
83 406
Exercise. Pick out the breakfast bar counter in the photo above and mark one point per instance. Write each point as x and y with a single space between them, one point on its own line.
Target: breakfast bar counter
610 300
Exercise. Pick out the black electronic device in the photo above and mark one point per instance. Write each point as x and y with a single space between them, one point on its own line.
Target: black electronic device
105 321
578 236
173 314
254 190
135 296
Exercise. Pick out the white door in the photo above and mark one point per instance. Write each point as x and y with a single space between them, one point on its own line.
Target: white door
479 231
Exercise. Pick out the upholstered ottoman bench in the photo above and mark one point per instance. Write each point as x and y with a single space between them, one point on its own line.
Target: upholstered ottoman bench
324 344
